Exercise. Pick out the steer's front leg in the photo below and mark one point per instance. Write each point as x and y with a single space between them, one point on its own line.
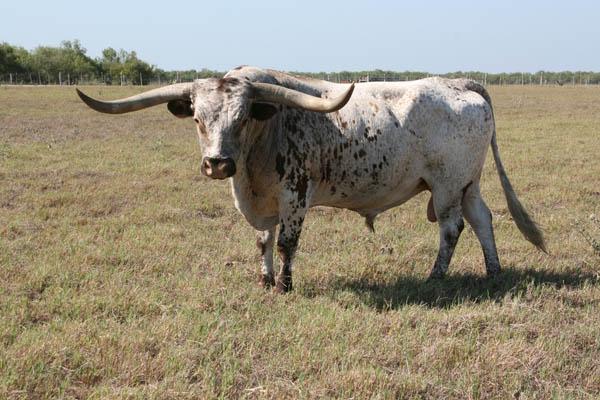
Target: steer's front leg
292 209
264 242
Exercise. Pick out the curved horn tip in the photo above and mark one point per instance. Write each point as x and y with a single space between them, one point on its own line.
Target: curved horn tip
84 97
347 95
80 94
351 88
94 104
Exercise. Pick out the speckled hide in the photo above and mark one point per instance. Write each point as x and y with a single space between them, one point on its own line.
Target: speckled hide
390 142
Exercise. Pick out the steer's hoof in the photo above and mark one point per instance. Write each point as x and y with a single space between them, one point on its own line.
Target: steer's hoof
284 284
492 273
435 275
266 281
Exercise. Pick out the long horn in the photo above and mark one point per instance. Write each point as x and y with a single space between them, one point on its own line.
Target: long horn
278 94
178 91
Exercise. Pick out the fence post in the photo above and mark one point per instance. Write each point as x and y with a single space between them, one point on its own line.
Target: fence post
141 79
10 78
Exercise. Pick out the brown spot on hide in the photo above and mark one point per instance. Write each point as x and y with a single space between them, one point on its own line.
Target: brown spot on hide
280 165
284 279
224 83
301 188
327 171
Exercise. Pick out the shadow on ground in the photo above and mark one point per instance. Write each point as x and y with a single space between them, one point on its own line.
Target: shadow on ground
454 289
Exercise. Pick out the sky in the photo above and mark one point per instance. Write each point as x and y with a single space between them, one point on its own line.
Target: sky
313 36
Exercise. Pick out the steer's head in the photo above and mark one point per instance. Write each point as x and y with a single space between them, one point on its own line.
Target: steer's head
221 109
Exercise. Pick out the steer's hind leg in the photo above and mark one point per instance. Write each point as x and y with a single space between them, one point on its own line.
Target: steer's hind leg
479 217
264 242
448 211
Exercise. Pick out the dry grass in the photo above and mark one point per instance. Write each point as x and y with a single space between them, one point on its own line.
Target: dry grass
125 274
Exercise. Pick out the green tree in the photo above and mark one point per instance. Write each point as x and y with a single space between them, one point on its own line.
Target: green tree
13 59
70 60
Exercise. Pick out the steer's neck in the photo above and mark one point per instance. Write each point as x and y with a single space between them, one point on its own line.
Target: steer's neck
256 175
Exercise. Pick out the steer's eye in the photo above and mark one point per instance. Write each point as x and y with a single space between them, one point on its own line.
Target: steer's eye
196 120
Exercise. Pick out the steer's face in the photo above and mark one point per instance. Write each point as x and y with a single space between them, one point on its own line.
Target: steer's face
221 109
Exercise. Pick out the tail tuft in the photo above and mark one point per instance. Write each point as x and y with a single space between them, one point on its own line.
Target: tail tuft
525 223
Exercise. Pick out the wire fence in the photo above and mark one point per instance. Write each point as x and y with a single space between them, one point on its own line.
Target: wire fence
539 78
90 79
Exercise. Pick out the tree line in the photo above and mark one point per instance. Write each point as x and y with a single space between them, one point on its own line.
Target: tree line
70 64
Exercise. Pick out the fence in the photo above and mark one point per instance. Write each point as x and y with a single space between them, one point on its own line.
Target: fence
539 78
36 78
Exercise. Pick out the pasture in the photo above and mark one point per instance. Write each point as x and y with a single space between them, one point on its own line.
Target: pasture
124 273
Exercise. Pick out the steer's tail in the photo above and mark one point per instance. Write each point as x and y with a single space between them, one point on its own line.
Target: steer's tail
524 222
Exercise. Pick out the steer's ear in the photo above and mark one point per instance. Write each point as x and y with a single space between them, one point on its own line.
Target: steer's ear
262 111
180 108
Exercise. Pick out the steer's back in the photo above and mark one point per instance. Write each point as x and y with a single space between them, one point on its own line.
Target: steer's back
397 138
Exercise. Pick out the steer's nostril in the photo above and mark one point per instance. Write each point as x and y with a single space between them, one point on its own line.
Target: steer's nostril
218 168
206 167
222 166
226 167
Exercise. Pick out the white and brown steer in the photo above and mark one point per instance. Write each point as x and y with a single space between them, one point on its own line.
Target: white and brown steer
290 143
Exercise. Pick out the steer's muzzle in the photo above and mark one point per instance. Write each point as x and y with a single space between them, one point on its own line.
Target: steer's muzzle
218 168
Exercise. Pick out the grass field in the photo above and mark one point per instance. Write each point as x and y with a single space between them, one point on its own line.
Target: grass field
126 274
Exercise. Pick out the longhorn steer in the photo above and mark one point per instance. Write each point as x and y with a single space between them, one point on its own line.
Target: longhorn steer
287 145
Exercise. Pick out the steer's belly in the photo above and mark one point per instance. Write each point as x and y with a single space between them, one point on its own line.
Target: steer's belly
369 196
